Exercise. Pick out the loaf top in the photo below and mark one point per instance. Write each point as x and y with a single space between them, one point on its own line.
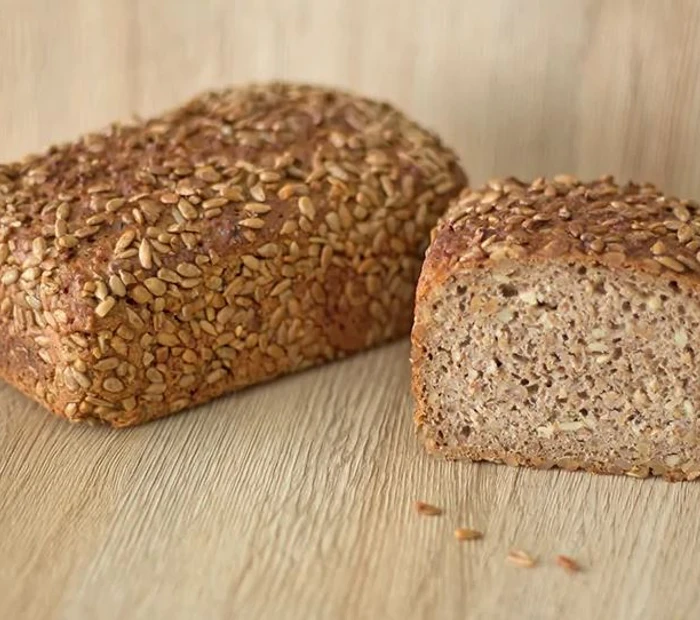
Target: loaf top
621 226
118 217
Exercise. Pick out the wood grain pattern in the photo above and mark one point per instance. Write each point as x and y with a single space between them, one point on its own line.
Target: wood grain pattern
294 500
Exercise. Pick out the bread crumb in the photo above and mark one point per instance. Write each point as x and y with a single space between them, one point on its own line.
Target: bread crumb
428 510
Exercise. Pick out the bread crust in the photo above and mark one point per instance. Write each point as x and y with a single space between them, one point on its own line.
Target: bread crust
249 233
633 227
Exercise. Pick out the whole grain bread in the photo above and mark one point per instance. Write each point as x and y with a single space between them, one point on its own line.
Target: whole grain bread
558 323
252 232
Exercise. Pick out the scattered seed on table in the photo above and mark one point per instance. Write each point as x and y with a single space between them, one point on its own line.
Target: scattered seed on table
428 510
466 533
518 557
568 563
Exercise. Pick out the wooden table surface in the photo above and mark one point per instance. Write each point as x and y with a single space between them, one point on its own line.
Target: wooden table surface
295 499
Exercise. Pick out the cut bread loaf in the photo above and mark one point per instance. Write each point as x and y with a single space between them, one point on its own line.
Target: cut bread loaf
558 324
249 233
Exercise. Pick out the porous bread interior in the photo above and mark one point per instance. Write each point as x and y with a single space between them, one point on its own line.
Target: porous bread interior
562 364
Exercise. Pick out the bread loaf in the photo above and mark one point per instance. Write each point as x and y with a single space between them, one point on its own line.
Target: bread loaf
557 324
249 233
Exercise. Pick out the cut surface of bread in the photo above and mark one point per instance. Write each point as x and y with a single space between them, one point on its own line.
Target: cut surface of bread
557 325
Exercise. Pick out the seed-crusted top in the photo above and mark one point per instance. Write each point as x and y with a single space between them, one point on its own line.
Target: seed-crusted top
632 225
111 246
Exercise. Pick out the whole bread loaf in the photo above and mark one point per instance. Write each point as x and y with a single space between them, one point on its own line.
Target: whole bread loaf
249 233
558 323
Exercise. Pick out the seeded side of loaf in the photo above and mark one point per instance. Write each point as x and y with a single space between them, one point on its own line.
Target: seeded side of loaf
558 324
252 232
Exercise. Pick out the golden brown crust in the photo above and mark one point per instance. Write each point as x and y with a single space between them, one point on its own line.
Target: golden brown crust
631 227
252 232
628 227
